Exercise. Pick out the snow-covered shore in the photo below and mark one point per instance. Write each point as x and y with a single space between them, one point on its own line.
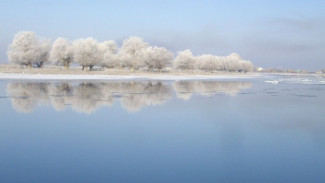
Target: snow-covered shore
169 76
15 72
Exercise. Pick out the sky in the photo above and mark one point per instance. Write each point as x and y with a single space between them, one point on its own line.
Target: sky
270 33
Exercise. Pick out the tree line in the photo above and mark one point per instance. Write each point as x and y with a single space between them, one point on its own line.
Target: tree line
27 49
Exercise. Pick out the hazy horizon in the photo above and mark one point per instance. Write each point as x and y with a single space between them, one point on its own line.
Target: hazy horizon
269 33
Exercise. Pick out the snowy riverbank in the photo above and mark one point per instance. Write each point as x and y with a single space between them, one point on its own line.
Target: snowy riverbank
143 76
14 72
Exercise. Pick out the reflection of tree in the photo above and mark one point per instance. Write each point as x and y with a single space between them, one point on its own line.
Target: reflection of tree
88 97
61 95
26 96
141 95
185 89
85 97
107 95
231 88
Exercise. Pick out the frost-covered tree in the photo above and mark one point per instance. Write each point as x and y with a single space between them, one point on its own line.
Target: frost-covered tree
132 45
87 52
62 52
184 60
245 66
129 54
206 62
234 57
232 62
109 57
24 49
221 63
44 50
156 58
128 61
27 49
209 63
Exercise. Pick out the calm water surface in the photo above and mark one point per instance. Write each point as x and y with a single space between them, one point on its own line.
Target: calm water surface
269 129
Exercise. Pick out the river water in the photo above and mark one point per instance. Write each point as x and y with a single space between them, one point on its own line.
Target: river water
262 129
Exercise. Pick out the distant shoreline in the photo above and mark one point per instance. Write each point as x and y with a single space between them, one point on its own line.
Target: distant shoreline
15 72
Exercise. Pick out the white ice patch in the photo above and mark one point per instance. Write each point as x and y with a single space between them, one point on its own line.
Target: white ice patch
299 80
274 82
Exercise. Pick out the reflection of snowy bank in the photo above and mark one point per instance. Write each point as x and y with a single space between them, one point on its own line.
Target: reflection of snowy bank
185 89
88 97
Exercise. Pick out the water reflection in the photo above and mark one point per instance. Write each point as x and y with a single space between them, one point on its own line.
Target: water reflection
26 96
140 95
185 89
87 97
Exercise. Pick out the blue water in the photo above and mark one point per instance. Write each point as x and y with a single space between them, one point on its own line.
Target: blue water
249 130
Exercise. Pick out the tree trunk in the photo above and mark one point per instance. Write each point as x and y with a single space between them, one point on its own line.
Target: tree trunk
66 66
40 64
91 67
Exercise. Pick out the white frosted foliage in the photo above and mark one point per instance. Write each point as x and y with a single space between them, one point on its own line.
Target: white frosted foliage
135 54
62 52
109 56
24 49
44 51
87 52
156 58
184 60
129 53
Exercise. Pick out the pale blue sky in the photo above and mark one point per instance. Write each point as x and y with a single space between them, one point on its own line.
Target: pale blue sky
270 33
